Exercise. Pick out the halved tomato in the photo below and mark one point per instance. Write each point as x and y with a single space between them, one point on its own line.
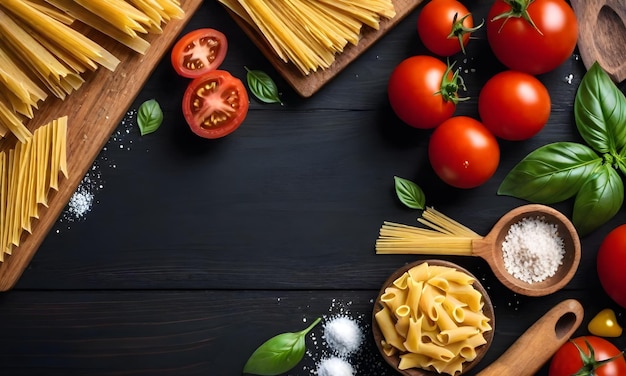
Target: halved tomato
198 52
215 104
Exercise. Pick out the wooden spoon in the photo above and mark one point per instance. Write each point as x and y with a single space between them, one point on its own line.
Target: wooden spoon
535 347
490 249
602 35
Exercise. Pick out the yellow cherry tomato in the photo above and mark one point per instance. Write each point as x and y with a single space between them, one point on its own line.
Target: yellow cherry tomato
604 324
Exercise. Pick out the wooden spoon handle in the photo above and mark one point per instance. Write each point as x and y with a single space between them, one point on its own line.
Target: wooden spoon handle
535 347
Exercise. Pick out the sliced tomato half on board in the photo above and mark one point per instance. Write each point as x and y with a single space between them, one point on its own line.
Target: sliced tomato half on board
215 104
198 52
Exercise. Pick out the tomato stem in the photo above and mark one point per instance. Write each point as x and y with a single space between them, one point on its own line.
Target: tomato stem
459 30
590 364
450 86
519 9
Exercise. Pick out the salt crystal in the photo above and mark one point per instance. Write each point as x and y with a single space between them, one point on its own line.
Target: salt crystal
343 335
335 367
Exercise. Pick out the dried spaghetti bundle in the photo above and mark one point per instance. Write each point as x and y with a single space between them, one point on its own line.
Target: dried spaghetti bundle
309 33
43 51
443 235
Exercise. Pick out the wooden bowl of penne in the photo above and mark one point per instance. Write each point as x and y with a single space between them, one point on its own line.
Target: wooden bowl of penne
433 317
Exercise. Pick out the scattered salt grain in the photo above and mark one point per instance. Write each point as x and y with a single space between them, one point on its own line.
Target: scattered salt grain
343 335
334 366
533 250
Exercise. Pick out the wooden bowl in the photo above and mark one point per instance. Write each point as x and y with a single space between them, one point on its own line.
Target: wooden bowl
490 249
488 311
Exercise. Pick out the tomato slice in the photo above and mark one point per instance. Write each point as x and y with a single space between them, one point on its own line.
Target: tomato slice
215 104
198 52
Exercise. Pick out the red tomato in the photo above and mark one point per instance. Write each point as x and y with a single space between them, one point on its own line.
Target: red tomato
422 91
215 104
198 52
444 26
521 46
568 360
463 152
514 105
611 264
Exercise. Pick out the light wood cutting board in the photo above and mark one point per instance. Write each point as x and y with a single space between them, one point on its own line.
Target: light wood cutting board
93 113
309 85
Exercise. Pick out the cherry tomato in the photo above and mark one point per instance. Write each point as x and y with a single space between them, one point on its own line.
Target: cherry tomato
215 104
463 152
611 263
514 105
533 36
198 52
444 26
572 360
422 91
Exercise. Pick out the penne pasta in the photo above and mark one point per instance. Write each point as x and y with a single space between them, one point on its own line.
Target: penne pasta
430 321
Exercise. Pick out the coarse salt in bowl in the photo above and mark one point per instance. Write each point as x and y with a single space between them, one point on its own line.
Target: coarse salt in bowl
537 250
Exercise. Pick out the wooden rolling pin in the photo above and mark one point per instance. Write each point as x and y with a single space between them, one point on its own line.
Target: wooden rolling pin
602 34
537 345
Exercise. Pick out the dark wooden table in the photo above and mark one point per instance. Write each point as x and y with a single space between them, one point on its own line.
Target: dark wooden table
196 251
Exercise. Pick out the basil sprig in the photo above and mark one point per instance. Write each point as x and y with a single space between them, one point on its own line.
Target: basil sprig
588 172
149 116
409 193
262 86
278 354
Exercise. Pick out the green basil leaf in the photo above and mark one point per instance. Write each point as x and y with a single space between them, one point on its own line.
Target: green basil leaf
600 112
149 117
409 193
551 173
278 354
598 200
262 86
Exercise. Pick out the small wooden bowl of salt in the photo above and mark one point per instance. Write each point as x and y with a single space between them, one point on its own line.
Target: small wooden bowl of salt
534 249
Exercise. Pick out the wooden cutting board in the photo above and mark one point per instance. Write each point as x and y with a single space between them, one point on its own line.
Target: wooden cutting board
94 111
308 85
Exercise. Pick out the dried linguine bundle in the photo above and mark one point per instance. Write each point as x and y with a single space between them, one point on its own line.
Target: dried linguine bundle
27 173
309 33
42 51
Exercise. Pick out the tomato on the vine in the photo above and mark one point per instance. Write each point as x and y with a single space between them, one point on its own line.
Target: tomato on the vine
589 355
463 152
198 52
445 26
533 36
514 105
611 263
422 91
215 104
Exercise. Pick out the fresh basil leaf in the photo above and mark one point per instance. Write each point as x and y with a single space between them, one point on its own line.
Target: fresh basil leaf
409 193
551 173
262 86
620 161
278 354
599 199
600 112
149 116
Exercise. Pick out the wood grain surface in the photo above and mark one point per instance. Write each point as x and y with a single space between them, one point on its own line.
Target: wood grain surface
93 113
307 85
